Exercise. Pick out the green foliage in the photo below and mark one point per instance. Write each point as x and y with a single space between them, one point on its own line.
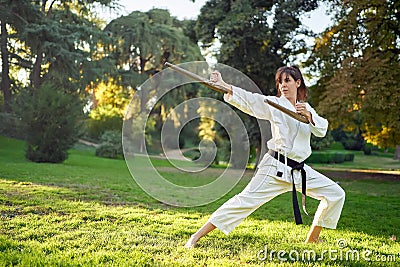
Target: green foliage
192 154
351 140
59 40
96 127
110 145
330 157
110 100
348 157
250 41
224 150
318 143
144 41
10 126
367 149
336 146
357 59
141 43
50 120
207 151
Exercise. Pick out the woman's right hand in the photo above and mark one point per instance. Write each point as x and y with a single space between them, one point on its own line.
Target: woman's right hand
216 78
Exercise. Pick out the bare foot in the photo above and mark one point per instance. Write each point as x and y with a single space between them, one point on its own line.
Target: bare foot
315 241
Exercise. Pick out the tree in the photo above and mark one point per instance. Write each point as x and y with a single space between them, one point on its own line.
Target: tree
5 78
52 120
56 43
358 59
256 37
109 104
142 43
58 40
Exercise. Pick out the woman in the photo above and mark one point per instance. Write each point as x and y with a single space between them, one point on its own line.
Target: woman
282 169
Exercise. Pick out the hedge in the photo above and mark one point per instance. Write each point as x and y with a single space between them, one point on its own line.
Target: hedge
330 157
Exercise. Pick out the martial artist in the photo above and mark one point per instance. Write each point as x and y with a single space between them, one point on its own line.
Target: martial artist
282 169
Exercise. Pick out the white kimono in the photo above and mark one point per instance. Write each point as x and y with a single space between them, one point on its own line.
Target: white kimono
291 138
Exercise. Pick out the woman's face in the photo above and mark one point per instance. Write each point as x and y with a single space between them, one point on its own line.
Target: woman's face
288 87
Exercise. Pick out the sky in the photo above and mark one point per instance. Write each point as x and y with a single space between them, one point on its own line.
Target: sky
186 9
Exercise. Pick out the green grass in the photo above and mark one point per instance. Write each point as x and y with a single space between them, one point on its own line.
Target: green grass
88 211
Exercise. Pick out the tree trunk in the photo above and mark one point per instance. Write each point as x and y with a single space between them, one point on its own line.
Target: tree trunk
37 67
397 152
5 78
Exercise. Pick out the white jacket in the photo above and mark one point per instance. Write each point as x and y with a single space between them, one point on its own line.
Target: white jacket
289 136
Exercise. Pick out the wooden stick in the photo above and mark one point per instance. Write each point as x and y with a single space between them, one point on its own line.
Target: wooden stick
224 90
292 114
204 81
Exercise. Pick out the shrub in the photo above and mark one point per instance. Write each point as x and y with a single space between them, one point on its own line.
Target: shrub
318 143
367 149
349 157
350 140
336 146
96 127
192 154
51 120
110 146
10 126
325 157
208 152
338 157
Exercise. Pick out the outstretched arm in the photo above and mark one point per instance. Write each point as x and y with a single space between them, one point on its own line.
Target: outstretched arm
250 103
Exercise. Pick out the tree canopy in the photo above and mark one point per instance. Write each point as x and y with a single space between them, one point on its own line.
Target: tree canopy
358 60
61 45
256 37
55 43
144 41
51 41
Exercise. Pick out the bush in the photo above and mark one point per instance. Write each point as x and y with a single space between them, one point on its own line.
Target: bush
336 146
10 126
97 127
51 120
192 154
208 152
110 146
320 157
350 140
349 157
338 157
367 149
318 143
353 144
326 157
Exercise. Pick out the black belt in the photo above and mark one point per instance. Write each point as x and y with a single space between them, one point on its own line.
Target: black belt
300 167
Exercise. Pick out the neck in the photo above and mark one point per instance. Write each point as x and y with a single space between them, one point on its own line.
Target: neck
292 100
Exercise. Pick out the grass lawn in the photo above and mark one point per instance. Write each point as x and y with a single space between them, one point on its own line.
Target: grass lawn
88 211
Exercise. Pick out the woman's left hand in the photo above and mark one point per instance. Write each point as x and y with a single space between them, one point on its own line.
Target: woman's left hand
301 108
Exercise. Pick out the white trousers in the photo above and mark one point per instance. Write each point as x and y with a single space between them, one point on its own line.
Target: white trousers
267 184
